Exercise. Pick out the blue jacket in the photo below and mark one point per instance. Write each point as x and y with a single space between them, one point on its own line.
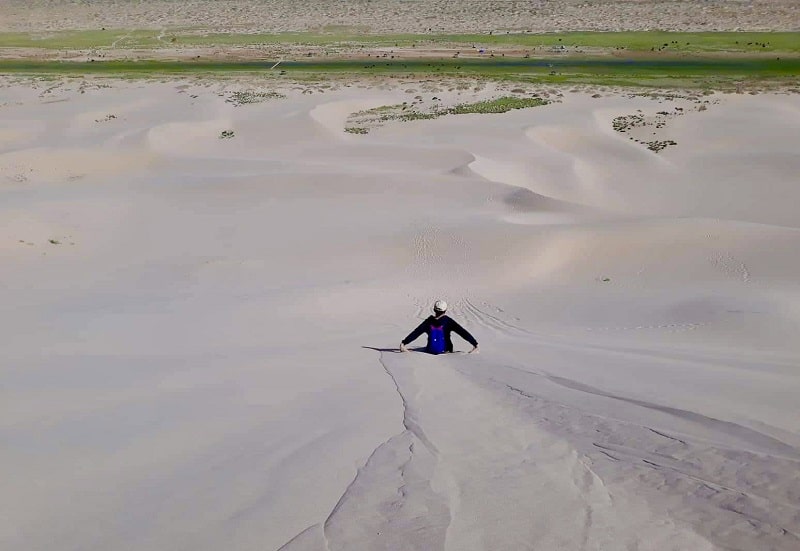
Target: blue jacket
450 325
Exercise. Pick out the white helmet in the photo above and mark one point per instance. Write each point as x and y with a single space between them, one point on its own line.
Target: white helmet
439 306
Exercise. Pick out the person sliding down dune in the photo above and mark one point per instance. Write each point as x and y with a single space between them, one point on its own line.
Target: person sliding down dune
438 327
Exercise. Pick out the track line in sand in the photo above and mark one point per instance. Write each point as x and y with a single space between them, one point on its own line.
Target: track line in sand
723 473
697 482
428 486
478 431
390 504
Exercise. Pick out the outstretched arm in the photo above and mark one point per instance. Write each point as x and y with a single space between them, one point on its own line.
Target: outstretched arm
466 335
413 335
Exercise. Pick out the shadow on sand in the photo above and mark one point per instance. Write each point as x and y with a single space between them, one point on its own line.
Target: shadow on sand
397 350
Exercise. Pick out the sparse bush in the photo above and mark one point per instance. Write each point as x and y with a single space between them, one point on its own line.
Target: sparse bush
416 116
657 146
248 96
405 112
499 105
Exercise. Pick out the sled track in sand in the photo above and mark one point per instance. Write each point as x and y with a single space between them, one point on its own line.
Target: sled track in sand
467 422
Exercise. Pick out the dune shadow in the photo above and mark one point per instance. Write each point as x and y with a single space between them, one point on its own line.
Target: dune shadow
375 348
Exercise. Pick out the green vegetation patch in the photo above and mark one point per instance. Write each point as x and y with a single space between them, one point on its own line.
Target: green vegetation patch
500 105
362 121
691 72
84 40
640 41
243 97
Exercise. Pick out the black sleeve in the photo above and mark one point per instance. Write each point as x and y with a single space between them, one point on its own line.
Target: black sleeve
463 333
416 332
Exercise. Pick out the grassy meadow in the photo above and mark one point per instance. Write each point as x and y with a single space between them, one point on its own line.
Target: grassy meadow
736 42
714 59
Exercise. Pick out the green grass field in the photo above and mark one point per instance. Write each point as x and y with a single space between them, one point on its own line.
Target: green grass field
692 72
656 59
739 42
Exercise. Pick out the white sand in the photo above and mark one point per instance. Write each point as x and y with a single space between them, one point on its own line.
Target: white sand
188 367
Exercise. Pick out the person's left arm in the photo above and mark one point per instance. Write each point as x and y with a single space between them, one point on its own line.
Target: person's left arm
464 334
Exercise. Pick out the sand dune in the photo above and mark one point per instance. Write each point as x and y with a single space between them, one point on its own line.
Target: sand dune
51 165
19 137
333 114
193 139
200 330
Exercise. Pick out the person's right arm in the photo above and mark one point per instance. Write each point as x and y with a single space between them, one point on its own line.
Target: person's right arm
413 335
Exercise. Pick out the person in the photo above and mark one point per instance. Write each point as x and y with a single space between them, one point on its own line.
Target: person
438 327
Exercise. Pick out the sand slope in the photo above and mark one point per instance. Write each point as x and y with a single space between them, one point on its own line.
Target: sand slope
199 331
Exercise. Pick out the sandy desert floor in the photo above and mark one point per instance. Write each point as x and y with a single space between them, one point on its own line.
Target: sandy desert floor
202 300
404 15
